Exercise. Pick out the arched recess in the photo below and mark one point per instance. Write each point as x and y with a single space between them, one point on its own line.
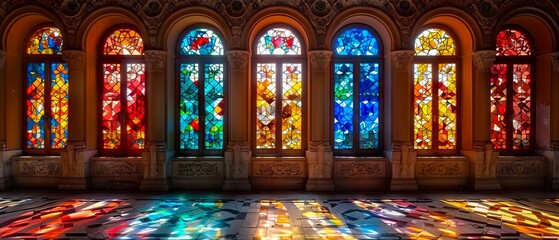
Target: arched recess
468 35
543 32
89 37
390 38
16 27
171 31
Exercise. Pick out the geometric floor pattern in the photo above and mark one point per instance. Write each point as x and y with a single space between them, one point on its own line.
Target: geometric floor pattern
48 215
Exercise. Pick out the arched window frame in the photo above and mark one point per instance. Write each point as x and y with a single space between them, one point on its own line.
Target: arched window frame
356 60
201 60
47 60
435 61
279 60
509 61
123 60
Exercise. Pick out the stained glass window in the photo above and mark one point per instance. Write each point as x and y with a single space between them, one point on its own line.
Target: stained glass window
46 92
511 100
356 91
279 92
435 90
201 92
123 93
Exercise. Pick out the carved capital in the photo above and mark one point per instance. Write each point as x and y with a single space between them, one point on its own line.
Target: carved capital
554 61
484 59
74 58
238 59
315 146
398 146
154 146
320 59
2 59
482 146
402 60
156 60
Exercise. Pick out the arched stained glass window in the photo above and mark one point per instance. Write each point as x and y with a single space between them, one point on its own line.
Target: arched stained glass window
123 96
356 90
201 92
46 92
511 88
279 77
435 91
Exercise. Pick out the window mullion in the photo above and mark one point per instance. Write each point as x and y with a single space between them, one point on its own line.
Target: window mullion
124 106
47 111
356 107
279 106
510 110
201 106
435 105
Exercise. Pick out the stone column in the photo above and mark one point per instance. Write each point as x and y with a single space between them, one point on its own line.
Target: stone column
483 160
552 155
75 157
319 154
5 171
238 154
154 157
401 155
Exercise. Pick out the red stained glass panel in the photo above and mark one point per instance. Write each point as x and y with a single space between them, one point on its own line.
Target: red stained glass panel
111 106
136 105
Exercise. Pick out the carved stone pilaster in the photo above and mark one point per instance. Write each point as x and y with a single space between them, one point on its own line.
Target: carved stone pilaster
2 59
156 60
75 59
483 166
321 163
320 59
238 59
484 59
237 165
155 165
402 60
75 165
402 158
554 61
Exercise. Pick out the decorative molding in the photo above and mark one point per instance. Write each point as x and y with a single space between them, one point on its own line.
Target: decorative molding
116 168
195 169
156 60
439 168
74 58
238 59
279 169
360 169
554 61
519 168
320 59
2 59
40 168
484 59
402 60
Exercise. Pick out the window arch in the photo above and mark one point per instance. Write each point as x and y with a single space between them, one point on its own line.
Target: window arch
511 93
201 73
435 92
123 98
45 92
279 83
356 90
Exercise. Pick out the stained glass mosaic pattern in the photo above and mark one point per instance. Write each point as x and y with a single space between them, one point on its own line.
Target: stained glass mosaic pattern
423 106
279 41
499 123
369 105
189 122
292 106
201 41
447 106
214 106
111 106
343 106
35 101
59 105
512 42
135 105
266 105
521 105
124 41
46 40
356 41
434 42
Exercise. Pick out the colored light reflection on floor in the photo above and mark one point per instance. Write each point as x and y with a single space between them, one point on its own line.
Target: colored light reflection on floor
265 219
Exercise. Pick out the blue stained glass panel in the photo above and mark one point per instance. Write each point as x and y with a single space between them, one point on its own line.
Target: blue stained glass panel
201 41
343 106
188 107
356 42
214 106
369 105
35 109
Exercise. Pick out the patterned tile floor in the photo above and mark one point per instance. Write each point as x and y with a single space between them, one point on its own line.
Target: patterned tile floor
504 215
